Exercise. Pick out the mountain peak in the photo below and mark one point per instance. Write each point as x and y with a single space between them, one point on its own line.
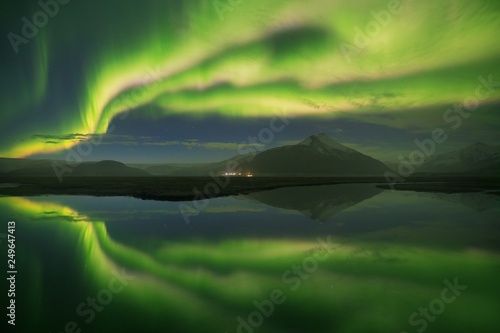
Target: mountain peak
473 157
109 163
479 152
324 141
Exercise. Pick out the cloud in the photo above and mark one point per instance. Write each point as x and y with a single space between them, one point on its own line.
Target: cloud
207 145
78 137
97 139
129 140
56 139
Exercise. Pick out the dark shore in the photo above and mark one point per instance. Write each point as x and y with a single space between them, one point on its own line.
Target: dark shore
194 188
161 188
488 186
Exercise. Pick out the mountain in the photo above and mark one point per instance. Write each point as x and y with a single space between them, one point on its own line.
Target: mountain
476 158
107 169
11 164
44 168
25 167
317 155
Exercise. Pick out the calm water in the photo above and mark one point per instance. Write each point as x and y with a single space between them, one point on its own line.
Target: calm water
341 258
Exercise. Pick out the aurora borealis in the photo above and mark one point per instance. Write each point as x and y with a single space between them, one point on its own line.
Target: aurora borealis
374 66
163 84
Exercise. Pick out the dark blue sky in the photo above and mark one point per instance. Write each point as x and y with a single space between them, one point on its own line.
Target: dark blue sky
199 82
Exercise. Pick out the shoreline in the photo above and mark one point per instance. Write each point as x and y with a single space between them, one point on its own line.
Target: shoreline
196 188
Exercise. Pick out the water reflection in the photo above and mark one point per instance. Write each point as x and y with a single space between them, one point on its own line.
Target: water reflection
478 201
317 202
202 277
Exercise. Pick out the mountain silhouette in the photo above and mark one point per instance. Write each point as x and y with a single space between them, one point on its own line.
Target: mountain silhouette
45 168
478 157
317 155
316 202
107 169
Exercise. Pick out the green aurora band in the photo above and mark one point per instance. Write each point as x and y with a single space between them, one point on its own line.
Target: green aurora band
253 59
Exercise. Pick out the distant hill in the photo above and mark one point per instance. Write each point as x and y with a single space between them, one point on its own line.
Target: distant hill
20 167
43 168
11 164
42 171
107 169
477 158
317 155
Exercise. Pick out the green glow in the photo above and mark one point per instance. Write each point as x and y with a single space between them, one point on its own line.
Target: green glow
217 281
245 66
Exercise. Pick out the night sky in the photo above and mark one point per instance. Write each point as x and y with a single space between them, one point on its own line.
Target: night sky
191 81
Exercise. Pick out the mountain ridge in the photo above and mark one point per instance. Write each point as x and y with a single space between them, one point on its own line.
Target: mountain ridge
472 158
316 155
